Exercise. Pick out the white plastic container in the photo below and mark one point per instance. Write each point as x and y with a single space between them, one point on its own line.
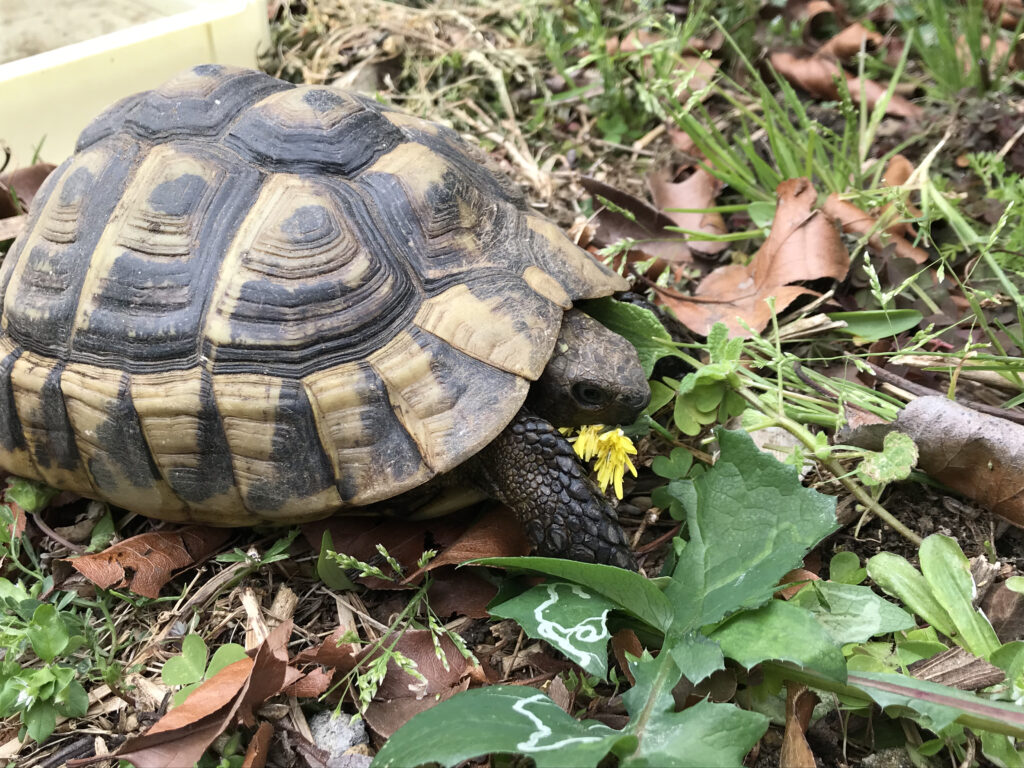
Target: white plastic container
63 61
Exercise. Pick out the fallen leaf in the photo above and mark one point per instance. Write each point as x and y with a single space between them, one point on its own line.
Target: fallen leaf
646 227
803 244
973 453
21 185
12 227
311 685
817 75
795 752
231 696
957 668
1005 609
794 581
625 642
461 592
856 221
259 747
699 190
146 562
848 42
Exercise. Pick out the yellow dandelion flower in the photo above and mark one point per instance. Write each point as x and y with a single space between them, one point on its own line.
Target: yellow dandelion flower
612 449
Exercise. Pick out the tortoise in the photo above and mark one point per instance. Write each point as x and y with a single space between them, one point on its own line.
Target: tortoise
246 301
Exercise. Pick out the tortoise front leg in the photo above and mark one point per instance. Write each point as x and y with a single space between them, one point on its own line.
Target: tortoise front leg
531 468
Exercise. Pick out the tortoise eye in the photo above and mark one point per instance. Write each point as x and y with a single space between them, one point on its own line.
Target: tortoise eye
587 393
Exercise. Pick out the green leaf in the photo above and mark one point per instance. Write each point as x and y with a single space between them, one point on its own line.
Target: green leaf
329 570
696 656
40 720
566 616
638 325
675 466
948 573
504 718
706 735
102 532
226 654
72 701
768 632
899 578
753 521
189 666
895 461
661 395
630 592
1001 750
47 633
28 494
872 325
845 568
851 613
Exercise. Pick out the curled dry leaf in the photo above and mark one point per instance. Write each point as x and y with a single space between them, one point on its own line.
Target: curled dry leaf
817 75
229 697
259 747
800 703
848 42
12 227
19 187
857 222
973 453
145 563
698 190
804 244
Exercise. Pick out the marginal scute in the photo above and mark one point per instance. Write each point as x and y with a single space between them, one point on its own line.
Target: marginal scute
580 275
110 440
449 403
280 468
374 457
39 403
544 284
502 322
12 438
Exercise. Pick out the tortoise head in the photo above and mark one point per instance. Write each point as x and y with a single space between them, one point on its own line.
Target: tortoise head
594 377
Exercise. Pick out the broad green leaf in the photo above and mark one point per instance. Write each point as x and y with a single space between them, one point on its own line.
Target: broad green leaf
1001 750
696 656
661 395
638 325
566 616
706 735
675 466
28 494
753 521
845 568
851 613
935 706
899 578
47 633
875 324
630 592
502 718
73 701
1010 659
948 573
767 633
40 720
190 666
102 532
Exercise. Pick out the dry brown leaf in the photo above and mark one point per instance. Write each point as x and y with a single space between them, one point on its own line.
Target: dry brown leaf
1005 609
794 581
460 592
22 184
12 226
496 533
145 563
182 735
1006 12
625 641
647 228
848 42
311 685
795 752
817 75
259 747
976 454
856 221
897 171
803 245
699 190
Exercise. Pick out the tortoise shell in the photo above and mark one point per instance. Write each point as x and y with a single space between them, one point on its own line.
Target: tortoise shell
242 300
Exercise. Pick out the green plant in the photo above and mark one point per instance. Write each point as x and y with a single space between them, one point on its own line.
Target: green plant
190 669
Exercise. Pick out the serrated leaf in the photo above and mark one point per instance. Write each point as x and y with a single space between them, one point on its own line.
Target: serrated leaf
899 578
639 326
767 634
568 617
948 573
189 666
630 592
47 633
505 718
894 462
753 521
851 613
